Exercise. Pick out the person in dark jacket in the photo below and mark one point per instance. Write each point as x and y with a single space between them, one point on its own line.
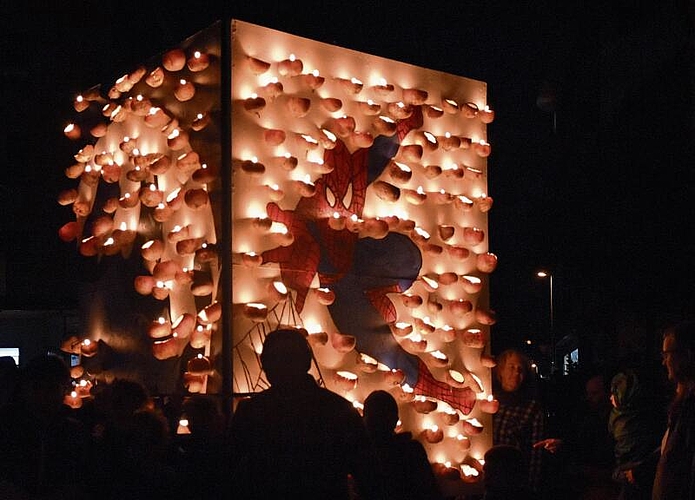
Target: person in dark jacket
520 420
297 439
403 459
675 473
43 446
635 429
504 476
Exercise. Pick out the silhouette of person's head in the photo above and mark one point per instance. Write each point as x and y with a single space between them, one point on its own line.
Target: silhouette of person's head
595 392
44 382
128 395
205 417
678 353
118 400
380 413
286 356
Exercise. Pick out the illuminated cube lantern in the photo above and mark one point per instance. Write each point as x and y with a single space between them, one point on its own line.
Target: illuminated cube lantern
291 183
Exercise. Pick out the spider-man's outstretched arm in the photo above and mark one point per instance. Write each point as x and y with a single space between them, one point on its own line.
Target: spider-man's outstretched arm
298 261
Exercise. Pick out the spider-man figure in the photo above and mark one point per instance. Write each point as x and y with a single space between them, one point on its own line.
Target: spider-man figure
361 271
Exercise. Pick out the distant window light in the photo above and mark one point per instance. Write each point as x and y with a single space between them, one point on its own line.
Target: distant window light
570 361
12 352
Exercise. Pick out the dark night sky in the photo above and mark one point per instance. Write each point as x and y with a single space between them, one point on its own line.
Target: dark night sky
598 189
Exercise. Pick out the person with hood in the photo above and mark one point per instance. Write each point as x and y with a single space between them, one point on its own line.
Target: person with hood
633 424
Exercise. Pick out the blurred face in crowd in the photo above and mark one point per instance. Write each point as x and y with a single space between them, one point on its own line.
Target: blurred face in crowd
596 394
672 358
512 373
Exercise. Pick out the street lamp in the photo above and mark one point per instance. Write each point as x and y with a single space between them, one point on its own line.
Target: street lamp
549 275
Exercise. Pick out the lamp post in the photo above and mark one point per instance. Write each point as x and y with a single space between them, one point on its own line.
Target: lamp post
549 275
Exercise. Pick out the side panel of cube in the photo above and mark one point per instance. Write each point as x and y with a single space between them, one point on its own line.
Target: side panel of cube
145 211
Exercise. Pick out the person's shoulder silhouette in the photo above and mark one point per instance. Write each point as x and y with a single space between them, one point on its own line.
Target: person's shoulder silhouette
42 444
296 437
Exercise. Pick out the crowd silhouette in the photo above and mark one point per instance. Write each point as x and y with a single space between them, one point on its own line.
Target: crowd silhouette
610 437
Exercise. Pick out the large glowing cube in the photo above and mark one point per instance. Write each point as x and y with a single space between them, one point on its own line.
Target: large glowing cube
257 179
